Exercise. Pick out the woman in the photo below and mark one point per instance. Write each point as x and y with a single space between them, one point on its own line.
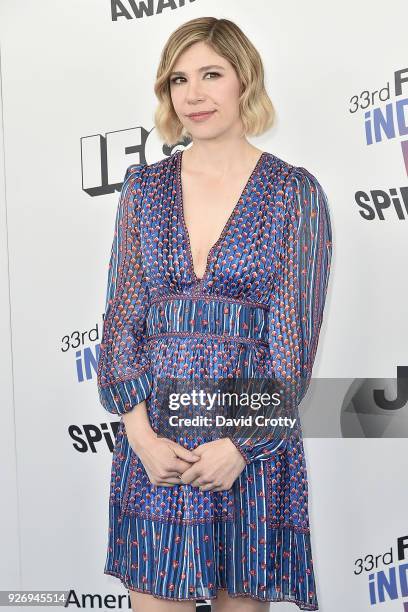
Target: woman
219 269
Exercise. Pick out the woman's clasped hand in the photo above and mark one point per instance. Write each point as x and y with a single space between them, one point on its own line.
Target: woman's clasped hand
212 466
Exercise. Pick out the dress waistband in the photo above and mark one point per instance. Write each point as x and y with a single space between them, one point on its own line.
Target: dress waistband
207 318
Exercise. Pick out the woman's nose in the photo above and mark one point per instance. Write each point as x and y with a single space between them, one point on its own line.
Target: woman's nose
194 90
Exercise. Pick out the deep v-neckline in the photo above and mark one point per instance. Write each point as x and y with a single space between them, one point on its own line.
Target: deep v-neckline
227 224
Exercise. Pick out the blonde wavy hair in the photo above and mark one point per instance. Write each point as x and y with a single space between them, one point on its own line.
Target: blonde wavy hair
227 39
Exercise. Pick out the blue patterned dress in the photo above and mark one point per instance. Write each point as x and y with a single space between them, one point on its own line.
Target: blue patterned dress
256 311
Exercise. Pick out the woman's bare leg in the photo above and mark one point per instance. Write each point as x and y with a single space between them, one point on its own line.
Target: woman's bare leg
225 603
143 602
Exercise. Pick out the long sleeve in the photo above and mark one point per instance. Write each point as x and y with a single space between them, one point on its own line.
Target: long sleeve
296 308
124 375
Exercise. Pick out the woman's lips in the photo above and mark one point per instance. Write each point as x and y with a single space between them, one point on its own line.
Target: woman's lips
201 116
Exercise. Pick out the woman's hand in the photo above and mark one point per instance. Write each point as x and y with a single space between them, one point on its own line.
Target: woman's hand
220 465
164 460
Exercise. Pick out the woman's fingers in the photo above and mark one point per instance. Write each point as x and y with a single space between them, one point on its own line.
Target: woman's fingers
203 486
173 474
169 482
184 453
179 465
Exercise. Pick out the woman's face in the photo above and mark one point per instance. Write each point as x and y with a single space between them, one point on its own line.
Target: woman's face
202 80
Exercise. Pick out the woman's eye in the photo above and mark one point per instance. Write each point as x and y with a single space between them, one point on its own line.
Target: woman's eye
175 79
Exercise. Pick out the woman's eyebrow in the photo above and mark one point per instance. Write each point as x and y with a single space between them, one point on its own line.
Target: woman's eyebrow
199 69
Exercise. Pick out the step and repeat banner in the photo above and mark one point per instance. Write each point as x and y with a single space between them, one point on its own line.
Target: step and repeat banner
77 109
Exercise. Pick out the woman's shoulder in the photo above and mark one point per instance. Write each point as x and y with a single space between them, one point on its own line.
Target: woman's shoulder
145 169
283 168
164 164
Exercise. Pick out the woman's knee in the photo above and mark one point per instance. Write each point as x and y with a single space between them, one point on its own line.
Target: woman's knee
225 603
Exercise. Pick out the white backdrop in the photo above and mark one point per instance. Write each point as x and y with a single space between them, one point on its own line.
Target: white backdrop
76 82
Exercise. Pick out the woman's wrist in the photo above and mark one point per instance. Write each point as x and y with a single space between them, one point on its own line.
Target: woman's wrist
143 439
138 427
